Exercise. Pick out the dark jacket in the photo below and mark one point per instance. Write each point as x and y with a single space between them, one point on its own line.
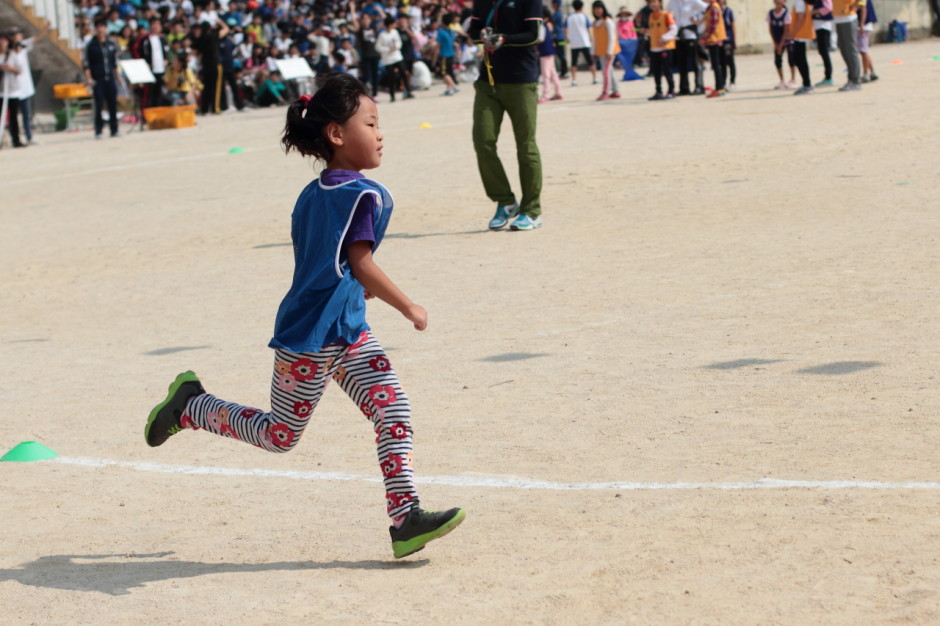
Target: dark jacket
101 59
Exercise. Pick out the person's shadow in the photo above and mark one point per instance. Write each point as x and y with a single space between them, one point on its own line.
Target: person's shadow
117 574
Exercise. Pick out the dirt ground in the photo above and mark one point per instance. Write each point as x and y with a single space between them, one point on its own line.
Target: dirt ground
725 294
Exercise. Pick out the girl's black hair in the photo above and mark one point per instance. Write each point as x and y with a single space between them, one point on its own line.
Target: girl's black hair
600 3
335 101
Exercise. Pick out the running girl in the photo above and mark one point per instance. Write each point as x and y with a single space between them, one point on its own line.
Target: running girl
320 332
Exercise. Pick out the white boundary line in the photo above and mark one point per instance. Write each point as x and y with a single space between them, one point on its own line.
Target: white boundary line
498 482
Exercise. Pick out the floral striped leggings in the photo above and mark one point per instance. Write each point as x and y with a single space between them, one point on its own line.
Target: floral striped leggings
364 373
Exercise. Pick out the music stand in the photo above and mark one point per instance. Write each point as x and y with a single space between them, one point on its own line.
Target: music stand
294 69
137 72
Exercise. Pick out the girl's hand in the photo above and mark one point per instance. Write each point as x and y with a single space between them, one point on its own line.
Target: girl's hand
417 316
368 295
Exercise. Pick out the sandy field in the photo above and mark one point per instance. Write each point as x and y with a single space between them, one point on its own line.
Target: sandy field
704 393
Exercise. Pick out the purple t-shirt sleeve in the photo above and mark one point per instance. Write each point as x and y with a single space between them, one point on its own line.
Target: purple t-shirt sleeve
360 228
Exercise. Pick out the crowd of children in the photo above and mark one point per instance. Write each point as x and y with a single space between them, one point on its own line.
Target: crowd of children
685 35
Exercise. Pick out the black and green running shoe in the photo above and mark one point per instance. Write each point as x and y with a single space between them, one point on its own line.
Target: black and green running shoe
164 419
422 526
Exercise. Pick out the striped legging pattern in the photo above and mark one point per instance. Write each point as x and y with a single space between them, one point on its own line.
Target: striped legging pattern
362 370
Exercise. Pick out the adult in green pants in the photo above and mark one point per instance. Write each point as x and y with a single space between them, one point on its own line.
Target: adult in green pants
508 30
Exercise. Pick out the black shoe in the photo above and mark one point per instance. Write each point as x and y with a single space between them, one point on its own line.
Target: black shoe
699 91
164 419
685 92
657 96
409 96
670 96
422 526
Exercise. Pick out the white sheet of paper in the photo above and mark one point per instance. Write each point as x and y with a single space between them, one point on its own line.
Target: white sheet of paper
137 71
293 68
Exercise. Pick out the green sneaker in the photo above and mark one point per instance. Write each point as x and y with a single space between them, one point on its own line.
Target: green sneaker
164 419
422 526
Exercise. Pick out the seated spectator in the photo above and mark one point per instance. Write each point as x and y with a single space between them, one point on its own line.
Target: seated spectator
349 53
339 63
180 82
272 91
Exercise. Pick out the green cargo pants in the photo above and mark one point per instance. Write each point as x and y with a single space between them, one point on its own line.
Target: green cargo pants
520 101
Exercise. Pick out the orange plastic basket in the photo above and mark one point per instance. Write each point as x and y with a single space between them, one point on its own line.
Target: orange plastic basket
70 90
158 118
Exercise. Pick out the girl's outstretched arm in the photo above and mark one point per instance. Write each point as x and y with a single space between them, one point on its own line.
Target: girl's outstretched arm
378 284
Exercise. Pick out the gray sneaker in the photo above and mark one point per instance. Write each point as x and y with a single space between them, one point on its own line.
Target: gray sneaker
850 86
804 91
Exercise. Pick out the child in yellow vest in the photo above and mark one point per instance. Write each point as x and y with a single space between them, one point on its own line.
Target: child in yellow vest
713 39
606 48
846 21
662 31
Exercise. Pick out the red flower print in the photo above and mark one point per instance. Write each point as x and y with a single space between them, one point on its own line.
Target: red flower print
228 431
392 465
281 435
382 395
380 364
398 431
366 409
396 500
303 369
303 409
187 422
247 414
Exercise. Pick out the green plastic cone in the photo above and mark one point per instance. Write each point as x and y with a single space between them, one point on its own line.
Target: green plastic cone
236 150
29 451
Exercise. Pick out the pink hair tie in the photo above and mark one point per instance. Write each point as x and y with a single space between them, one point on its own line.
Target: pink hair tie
305 99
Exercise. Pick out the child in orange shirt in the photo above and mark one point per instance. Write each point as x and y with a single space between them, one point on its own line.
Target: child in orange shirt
801 33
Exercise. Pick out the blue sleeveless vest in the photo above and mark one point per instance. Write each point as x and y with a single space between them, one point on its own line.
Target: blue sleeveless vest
325 302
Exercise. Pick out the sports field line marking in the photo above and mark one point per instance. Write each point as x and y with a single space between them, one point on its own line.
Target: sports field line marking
125 166
495 482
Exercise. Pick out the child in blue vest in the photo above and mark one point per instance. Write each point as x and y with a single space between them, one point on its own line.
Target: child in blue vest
778 21
320 332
